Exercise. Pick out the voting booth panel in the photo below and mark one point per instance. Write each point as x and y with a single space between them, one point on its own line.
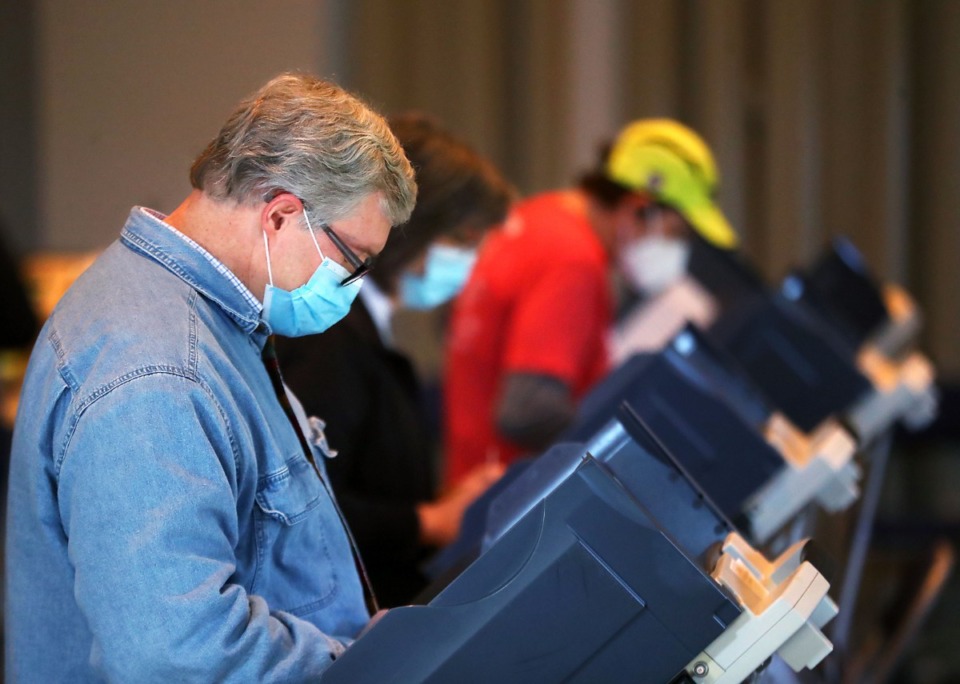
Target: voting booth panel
839 287
797 362
879 324
860 332
716 280
603 563
706 405
758 468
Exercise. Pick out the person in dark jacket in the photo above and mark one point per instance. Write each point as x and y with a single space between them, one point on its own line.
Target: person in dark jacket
18 322
367 391
18 330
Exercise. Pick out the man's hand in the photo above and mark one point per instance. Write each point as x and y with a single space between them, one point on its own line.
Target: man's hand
440 519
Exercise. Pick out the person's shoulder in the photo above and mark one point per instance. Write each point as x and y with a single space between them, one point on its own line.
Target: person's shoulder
550 203
116 319
350 348
353 329
342 339
542 235
556 228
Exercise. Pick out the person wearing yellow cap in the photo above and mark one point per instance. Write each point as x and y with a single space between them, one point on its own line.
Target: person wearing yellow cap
673 166
528 335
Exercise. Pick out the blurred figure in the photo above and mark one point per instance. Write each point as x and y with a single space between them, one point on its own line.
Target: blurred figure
528 334
366 390
18 322
18 329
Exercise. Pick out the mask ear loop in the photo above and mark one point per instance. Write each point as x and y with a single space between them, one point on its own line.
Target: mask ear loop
313 235
266 247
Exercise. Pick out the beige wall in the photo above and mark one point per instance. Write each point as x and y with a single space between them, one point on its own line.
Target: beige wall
827 116
18 178
130 92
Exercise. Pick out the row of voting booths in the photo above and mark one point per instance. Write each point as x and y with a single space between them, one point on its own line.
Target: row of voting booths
673 533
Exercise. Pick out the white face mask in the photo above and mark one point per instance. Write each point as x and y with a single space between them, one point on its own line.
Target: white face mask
651 263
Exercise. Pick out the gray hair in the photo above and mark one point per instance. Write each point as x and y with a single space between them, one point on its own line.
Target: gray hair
311 138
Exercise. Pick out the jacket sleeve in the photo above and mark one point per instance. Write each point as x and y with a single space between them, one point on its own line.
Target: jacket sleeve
151 519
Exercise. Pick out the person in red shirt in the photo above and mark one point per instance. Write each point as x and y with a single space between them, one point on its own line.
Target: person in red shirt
528 333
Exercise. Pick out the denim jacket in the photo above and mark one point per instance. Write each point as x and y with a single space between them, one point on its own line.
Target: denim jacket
164 524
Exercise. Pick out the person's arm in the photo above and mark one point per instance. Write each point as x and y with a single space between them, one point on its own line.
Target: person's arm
151 519
534 409
439 520
550 344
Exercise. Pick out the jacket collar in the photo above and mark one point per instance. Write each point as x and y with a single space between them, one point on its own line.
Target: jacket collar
146 233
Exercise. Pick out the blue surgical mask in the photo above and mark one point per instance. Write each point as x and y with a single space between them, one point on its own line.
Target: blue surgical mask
444 275
312 307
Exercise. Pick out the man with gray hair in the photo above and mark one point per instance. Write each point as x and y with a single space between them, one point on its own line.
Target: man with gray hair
170 518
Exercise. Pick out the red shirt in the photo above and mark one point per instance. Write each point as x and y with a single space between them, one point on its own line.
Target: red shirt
538 301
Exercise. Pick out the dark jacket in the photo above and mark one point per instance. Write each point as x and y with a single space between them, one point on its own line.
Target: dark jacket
18 323
370 399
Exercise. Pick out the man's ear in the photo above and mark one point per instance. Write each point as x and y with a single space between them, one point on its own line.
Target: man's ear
284 209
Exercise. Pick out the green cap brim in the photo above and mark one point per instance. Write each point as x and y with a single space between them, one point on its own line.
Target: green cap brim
712 225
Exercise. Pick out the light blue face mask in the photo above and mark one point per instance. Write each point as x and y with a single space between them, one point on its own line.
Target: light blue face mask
312 307
444 275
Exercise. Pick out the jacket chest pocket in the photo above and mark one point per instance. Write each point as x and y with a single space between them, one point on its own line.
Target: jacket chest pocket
296 524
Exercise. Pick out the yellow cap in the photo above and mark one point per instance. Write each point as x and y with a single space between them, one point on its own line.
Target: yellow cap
669 162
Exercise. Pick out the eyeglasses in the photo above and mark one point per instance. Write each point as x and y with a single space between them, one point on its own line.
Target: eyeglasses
361 267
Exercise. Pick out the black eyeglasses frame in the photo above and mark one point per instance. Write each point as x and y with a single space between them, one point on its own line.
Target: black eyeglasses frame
361 267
